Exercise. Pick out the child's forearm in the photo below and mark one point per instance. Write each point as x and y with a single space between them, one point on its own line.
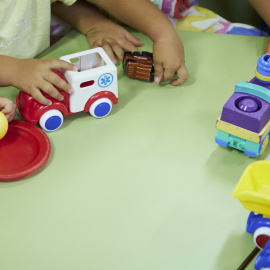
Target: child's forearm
142 15
7 68
263 8
82 16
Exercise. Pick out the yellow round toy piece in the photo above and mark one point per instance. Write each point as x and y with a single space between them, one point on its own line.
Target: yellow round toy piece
3 125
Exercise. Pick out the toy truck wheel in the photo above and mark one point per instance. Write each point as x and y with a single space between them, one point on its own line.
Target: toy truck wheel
101 107
261 237
51 120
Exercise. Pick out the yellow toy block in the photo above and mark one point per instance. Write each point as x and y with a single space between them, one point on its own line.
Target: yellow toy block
243 133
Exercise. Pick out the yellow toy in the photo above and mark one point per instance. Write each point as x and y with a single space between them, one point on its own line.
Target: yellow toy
3 125
253 188
253 191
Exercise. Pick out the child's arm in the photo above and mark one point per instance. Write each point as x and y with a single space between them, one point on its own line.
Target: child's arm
263 9
33 75
100 31
168 50
8 108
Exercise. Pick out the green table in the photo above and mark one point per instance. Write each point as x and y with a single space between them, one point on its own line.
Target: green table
145 188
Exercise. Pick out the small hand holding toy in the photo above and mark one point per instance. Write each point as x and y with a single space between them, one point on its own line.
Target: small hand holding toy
7 113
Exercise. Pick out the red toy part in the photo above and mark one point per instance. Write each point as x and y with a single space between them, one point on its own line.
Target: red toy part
103 94
23 150
32 110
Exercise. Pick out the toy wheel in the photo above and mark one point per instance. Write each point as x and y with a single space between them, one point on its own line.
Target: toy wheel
136 53
51 120
146 54
261 237
127 53
101 107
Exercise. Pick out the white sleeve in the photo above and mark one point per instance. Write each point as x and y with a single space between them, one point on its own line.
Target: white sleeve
66 2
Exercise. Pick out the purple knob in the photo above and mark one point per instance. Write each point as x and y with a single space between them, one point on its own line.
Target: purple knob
248 105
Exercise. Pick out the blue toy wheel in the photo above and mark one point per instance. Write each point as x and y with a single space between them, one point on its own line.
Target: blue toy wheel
51 120
101 107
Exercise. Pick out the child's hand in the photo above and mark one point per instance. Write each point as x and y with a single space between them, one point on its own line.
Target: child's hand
8 108
33 75
169 59
113 38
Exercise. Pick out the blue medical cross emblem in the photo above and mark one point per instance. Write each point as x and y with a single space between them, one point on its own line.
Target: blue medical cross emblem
105 80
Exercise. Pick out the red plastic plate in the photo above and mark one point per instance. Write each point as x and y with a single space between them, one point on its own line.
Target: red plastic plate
23 150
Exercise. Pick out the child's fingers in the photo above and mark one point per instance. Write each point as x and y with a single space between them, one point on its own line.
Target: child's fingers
95 44
108 49
134 40
128 46
5 103
119 47
54 79
182 76
48 88
37 95
168 74
13 112
158 72
61 64
118 50
9 115
8 108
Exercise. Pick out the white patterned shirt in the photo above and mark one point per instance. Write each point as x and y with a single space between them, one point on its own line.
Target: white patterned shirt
25 27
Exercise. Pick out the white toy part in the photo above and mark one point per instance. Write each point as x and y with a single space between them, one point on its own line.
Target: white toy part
101 107
261 232
96 73
51 120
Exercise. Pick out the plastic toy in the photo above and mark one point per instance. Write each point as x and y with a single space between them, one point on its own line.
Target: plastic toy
263 259
139 65
3 125
253 191
244 122
24 149
95 89
262 72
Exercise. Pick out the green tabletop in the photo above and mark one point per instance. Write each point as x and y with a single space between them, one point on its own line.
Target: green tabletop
147 187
